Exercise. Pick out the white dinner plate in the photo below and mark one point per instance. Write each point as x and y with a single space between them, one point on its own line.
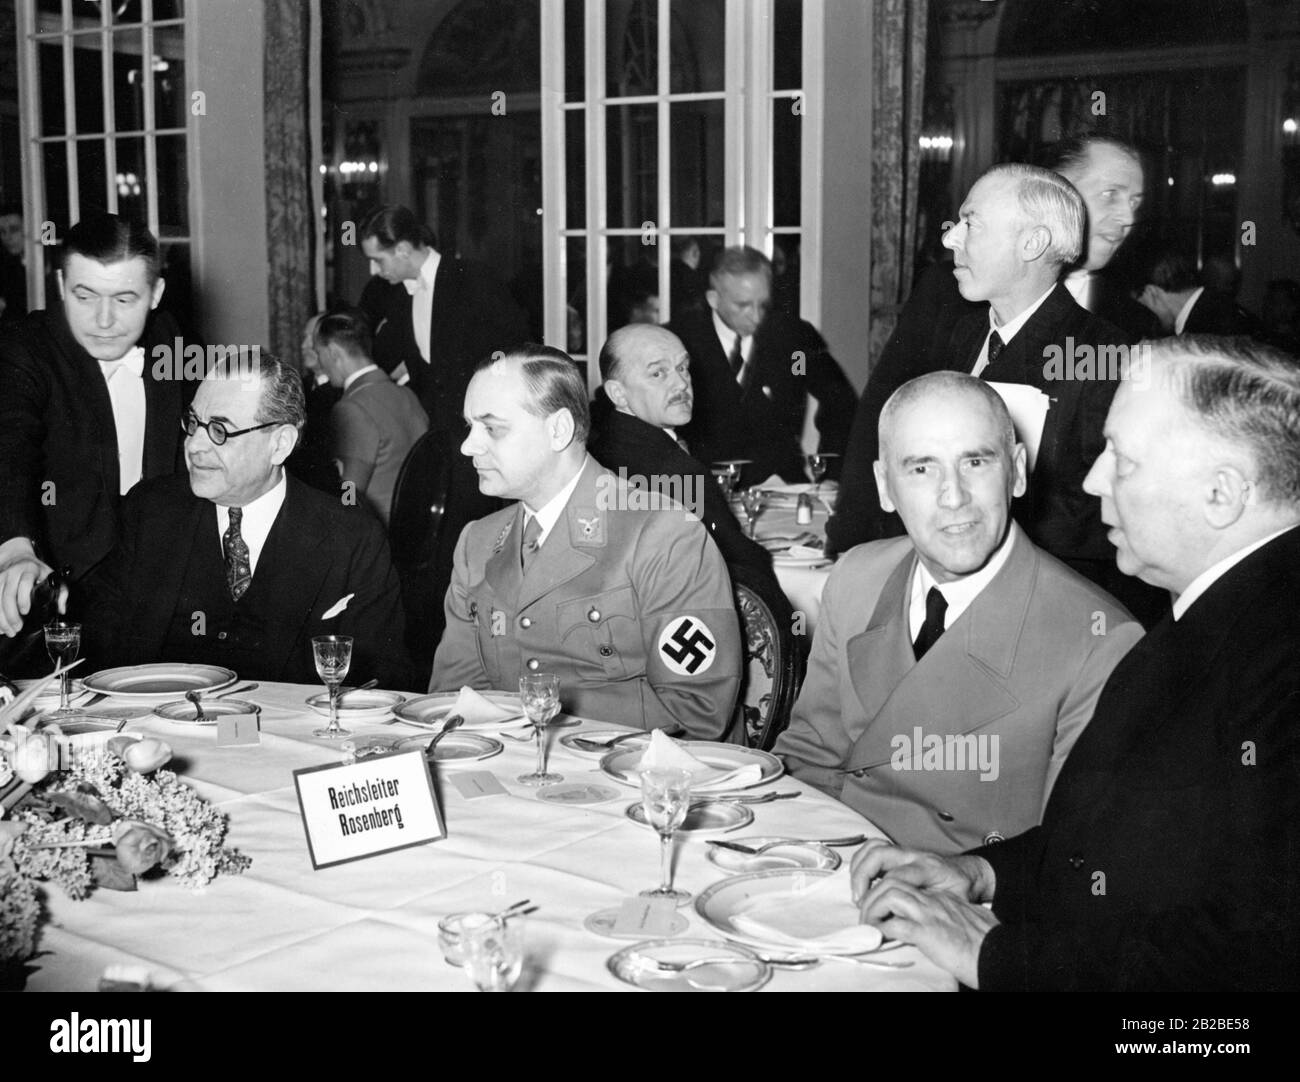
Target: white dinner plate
647 965
786 853
429 710
722 901
165 680
183 710
702 817
785 560
455 747
620 763
358 705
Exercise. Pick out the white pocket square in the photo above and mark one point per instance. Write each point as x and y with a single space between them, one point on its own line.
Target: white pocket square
338 607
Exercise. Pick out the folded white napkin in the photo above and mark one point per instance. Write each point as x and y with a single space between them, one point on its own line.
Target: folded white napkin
477 710
666 754
819 919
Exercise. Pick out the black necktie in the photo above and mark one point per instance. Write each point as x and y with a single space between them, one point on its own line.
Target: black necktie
737 359
238 571
996 346
935 610
532 532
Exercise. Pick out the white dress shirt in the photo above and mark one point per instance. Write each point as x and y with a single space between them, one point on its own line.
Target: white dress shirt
125 380
1211 575
1180 320
1079 283
421 291
259 517
728 339
548 515
960 593
1007 330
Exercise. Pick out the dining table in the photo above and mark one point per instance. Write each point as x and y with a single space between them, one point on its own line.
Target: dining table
372 923
802 579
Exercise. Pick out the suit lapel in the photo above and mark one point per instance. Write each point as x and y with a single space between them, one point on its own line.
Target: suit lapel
502 566
961 683
162 408
196 522
881 655
967 339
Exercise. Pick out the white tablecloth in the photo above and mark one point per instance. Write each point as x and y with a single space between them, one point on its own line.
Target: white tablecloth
802 585
372 924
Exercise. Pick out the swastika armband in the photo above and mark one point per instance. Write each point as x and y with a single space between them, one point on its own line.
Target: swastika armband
687 647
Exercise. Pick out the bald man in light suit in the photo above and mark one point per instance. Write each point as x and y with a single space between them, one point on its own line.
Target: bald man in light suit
952 669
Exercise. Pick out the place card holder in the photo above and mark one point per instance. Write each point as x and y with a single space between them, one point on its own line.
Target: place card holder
351 811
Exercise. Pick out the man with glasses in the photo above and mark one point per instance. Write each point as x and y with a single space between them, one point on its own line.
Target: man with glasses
240 565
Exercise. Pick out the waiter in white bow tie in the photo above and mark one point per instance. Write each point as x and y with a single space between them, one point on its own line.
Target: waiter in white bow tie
92 404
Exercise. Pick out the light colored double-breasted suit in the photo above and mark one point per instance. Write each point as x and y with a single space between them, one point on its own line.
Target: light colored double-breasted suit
962 746
630 606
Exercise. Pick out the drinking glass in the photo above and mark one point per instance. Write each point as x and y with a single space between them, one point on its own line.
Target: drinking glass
726 480
63 643
333 655
814 466
752 500
494 954
666 798
540 693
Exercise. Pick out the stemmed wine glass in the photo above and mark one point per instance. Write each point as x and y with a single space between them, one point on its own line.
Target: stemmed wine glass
666 798
814 466
63 643
333 655
540 693
752 500
726 480
494 954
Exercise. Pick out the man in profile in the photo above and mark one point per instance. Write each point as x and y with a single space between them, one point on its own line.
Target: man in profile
753 370
375 423
86 409
1166 858
1171 289
952 669
630 606
238 564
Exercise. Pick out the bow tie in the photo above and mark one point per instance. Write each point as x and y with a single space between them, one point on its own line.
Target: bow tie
414 285
133 362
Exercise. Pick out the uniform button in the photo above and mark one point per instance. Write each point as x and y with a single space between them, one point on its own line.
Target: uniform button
860 773
221 635
946 816
606 651
994 836
594 615
525 622
533 664
1076 862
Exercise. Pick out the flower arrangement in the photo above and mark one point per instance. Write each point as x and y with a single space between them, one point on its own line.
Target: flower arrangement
113 815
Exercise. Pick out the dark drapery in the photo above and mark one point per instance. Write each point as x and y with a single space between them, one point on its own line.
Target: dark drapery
286 145
899 66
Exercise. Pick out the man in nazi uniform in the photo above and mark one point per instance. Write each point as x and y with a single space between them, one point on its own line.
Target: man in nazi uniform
627 600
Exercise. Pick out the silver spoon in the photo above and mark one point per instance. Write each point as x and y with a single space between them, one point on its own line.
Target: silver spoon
602 745
453 722
193 697
236 691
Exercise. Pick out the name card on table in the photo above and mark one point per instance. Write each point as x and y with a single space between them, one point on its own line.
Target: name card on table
355 810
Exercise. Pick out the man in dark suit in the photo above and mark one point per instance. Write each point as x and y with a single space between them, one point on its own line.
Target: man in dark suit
962 638
434 318
1183 306
1108 175
753 371
1166 859
1019 227
647 398
238 564
13 273
91 403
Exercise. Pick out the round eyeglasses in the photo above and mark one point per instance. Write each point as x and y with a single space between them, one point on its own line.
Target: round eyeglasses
217 431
